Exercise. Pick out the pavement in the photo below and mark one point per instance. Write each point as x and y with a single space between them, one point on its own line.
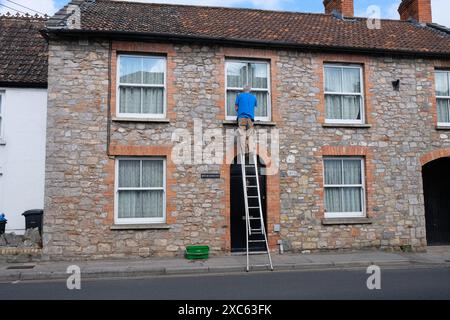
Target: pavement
106 269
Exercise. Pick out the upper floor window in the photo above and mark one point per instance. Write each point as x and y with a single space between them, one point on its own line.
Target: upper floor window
344 187
344 100
254 73
443 97
140 190
1 114
141 86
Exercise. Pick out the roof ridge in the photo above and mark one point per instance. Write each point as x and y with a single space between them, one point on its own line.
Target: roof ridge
133 2
208 7
26 16
439 27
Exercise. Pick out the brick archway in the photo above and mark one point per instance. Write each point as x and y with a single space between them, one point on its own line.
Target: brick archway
434 155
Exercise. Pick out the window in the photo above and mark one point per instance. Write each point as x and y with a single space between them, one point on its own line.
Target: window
443 97
140 190
256 74
141 86
344 101
1 114
344 187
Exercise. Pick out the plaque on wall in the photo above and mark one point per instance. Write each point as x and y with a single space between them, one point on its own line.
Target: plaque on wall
211 175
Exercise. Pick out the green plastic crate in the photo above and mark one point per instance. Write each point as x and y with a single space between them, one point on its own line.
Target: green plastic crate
197 252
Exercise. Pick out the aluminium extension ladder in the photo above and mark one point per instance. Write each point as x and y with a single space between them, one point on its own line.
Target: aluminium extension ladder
254 219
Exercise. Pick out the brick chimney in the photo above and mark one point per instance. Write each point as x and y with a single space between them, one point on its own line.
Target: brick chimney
344 7
419 10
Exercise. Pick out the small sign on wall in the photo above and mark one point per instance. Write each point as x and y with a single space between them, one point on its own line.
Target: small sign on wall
211 175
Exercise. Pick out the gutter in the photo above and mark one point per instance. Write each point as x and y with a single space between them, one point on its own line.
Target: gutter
165 37
23 85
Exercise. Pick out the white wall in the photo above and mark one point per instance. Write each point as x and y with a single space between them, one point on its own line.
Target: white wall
22 154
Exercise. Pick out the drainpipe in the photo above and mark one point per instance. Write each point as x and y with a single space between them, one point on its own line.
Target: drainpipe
280 243
108 125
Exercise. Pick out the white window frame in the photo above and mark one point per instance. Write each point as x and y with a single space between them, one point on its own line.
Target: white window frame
118 85
447 72
125 221
361 214
2 115
361 94
268 90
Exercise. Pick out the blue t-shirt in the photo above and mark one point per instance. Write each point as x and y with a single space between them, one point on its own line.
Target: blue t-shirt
246 103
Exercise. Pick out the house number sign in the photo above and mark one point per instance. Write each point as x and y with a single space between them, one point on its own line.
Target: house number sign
211 175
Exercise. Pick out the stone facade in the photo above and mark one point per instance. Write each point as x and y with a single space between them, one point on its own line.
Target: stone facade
79 201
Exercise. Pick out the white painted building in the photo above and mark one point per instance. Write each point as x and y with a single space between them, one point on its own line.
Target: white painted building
22 153
23 112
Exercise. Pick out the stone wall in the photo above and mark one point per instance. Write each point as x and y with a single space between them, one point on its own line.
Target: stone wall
79 209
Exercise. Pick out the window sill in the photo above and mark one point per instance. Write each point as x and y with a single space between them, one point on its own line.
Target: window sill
153 226
146 120
257 123
347 125
443 127
336 221
2 142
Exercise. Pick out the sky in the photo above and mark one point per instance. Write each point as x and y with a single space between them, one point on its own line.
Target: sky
441 8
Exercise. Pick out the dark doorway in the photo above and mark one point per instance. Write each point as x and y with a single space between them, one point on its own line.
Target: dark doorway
436 184
237 205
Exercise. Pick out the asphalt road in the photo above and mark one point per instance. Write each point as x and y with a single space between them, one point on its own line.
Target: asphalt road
408 283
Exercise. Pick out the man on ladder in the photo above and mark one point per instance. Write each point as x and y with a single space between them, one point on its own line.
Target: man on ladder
245 108
254 220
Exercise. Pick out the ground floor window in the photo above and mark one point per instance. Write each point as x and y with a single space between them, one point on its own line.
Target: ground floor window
140 190
344 187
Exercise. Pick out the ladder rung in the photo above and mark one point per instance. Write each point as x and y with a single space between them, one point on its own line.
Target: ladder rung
252 196
253 230
254 218
257 252
251 176
260 265
253 207
256 240
252 186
